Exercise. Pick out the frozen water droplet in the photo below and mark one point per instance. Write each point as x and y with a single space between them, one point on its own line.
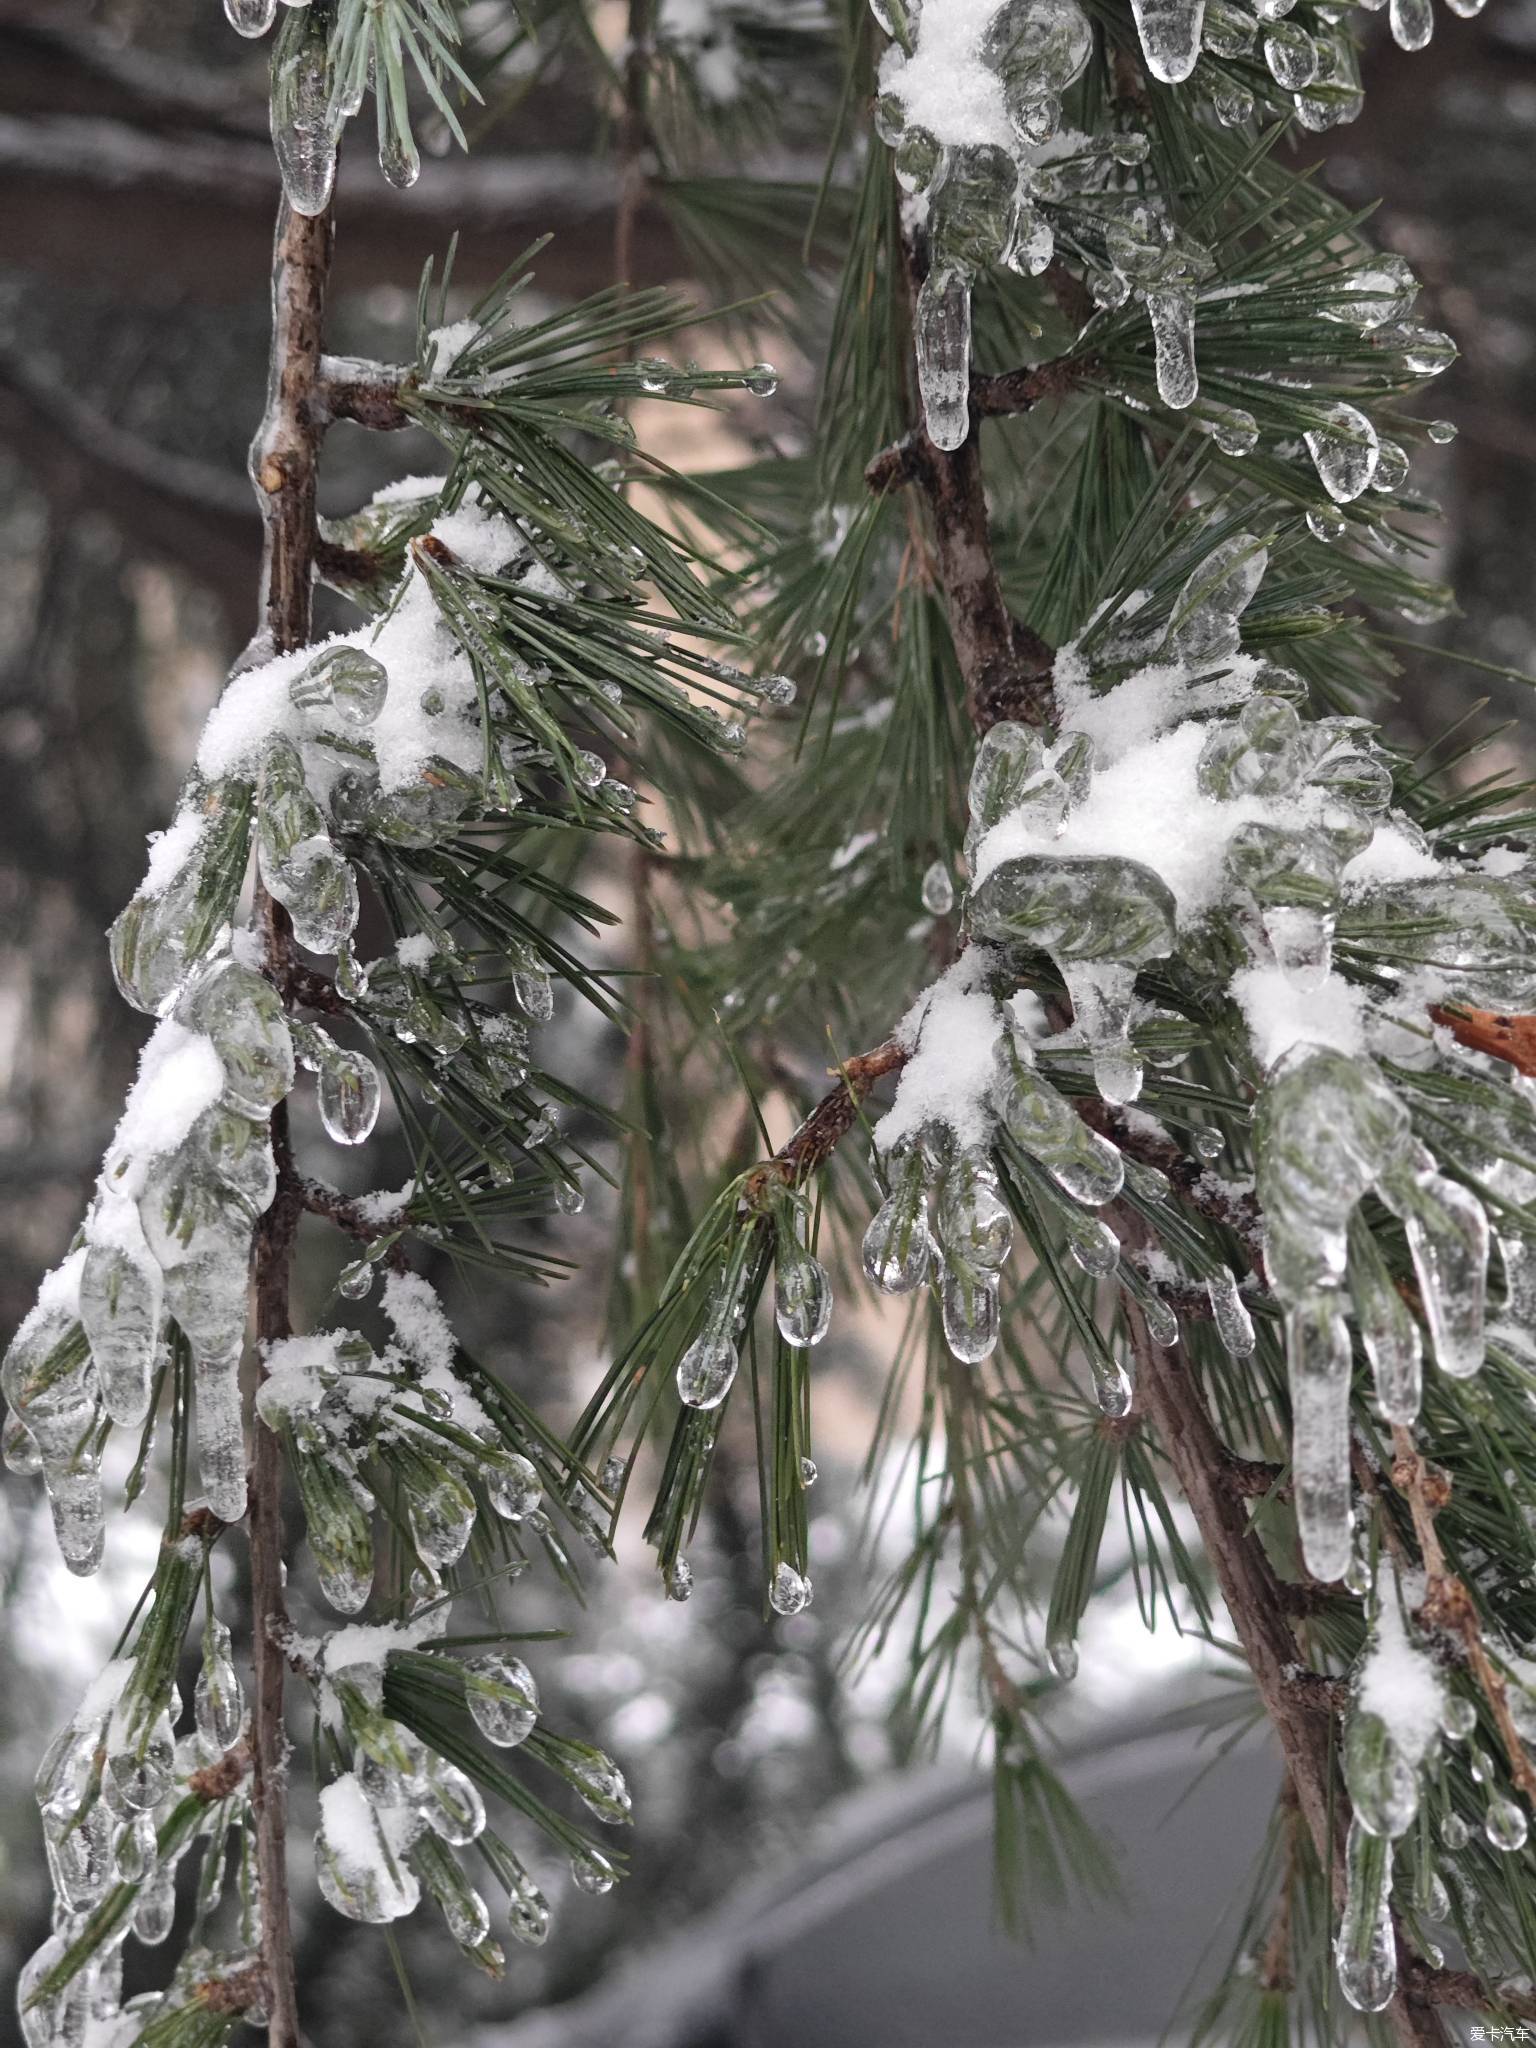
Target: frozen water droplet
399 160
250 17
1412 23
452 1807
1343 453
1458 1717
896 1244
502 1698
356 1280
1317 1349
1061 1653
1441 432
1383 1782
938 890
1302 939
802 1296
528 1913
1291 55
789 1592
972 1320
155 1911
1111 1386
1505 1825
1234 1326
1235 431
348 1095
1171 310
707 1369
762 380
1101 993
218 1700
1162 1323
1391 1339
1366 1950
680 1580
942 339
141 1759
534 992
513 1486
974 1224
20 1449
442 1512
360 1870
808 1474
1170 36
1325 524
592 1873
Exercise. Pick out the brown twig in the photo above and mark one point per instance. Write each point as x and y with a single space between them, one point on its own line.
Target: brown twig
828 1123
1511 1038
316 1199
284 468
1447 1603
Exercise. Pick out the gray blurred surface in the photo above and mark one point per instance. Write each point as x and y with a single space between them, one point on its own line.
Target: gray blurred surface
888 1936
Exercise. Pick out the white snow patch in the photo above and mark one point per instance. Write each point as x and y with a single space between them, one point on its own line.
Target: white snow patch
1401 1685
416 949
944 85
1503 860
180 1076
1147 807
954 1027
170 850
1279 1015
449 343
1391 856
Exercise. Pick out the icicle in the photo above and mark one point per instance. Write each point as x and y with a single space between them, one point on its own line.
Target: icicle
1170 36
1302 939
938 890
305 131
1041 1123
1162 1323
942 339
1412 23
1092 1244
1366 1951
1383 1783
1391 1339
1447 1231
789 1592
465 1911
1317 1349
974 1224
1234 1326
502 1697
1343 453
897 1243
1101 993
218 1701
338 1513
20 1448
972 1321
48 1380
1171 310
121 1295
220 1433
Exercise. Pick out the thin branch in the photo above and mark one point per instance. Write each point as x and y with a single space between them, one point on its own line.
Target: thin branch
1492 1031
284 468
1447 1603
828 1123
316 1198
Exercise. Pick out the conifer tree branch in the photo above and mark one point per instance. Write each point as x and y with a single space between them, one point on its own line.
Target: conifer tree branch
284 466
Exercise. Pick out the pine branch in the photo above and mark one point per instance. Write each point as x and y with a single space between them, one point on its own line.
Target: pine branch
284 466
